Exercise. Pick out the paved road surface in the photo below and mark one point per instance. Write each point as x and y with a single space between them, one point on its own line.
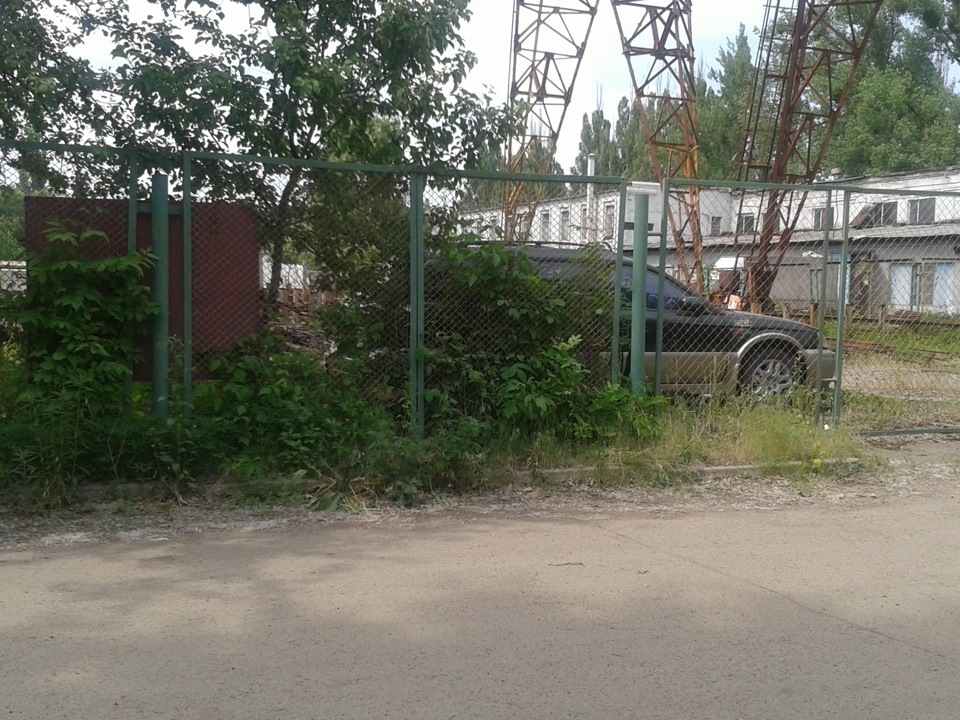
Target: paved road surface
820 612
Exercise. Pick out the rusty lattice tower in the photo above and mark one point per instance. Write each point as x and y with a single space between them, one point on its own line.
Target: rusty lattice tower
550 37
806 62
657 41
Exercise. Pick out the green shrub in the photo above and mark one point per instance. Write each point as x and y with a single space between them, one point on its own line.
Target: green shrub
78 321
289 407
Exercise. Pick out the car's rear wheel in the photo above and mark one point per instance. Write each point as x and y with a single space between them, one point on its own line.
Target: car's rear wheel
769 373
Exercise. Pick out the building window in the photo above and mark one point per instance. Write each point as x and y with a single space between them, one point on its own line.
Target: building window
884 214
714 225
608 212
823 219
942 294
923 211
745 223
525 227
564 226
583 221
545 226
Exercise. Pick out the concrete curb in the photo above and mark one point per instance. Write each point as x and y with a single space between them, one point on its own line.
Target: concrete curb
100 492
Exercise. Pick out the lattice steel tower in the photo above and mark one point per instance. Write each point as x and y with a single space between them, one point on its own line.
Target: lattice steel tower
806 62
550 37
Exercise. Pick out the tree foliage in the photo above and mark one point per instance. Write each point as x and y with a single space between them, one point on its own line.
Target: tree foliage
596 139
723 99
895 124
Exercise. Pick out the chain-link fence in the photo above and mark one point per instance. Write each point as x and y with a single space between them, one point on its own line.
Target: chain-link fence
870 270
439 295
425 288
71 205
519 297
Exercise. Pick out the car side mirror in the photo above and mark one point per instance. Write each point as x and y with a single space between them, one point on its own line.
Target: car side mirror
694 305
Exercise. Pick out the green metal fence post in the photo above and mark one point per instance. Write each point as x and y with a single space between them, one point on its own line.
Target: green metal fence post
132 210
160 226
187 285
417 379
638 295
617 287
661 284
841 308
822 307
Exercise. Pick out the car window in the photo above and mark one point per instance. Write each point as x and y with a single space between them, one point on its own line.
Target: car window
673 291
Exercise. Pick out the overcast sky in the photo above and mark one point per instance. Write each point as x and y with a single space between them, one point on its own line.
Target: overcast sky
489 36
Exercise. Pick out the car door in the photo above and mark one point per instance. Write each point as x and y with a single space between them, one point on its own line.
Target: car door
698 339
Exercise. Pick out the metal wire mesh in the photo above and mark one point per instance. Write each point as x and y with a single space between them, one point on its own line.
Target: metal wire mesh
317 257
872 267
506 302
45 191
900 325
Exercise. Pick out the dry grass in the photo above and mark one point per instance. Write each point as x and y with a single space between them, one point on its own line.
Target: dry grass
697 433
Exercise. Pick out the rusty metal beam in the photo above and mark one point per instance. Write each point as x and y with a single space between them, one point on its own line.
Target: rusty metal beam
807 60
657 41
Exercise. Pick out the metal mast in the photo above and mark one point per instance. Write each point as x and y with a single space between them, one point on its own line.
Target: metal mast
807 59
549 38
658 44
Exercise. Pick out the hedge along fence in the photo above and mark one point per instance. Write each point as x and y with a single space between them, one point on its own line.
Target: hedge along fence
332 394
367 235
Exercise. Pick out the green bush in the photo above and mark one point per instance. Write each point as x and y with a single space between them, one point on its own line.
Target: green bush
503 349
78 322
504 366
286 409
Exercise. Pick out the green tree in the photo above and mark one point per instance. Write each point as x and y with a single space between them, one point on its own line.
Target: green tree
895 124
369 80
47 90
631 145
723 98
596 139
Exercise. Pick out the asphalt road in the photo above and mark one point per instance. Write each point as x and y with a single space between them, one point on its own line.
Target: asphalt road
816 612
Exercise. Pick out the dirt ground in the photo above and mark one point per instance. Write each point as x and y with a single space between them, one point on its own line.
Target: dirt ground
739 599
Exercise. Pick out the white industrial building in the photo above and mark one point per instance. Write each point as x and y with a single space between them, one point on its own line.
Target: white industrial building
904 248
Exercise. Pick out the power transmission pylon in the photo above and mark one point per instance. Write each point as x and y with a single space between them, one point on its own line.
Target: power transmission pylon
807 60
657 41
549 39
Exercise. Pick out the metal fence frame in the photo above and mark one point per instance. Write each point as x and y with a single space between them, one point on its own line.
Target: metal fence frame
845 192
418 177
133 207
836 194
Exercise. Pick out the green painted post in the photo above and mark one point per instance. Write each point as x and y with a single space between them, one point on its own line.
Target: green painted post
160 226
841 309
638 292
617 291
134 170
187 286
822 306
661 284
417 380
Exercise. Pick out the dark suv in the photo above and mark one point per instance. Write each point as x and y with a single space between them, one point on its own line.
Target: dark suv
707 349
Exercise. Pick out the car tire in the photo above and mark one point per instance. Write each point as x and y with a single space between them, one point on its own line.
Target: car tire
769 373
